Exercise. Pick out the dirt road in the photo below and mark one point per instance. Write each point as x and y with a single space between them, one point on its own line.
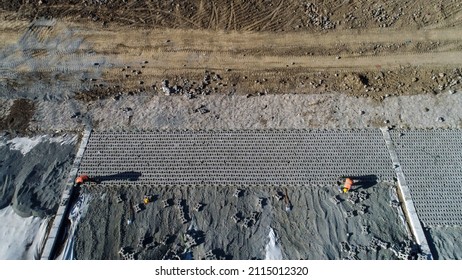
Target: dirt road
372 62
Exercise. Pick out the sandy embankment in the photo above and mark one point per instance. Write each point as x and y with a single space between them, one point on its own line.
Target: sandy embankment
316 228
32 172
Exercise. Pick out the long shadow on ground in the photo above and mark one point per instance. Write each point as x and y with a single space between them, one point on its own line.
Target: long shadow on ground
128 176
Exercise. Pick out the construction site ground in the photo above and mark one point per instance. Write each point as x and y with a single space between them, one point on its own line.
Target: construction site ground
221 65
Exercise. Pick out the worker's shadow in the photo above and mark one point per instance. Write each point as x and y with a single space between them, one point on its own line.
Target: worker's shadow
123 176
364 182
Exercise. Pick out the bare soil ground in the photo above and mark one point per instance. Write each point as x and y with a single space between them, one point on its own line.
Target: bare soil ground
373 48
253 15
18 117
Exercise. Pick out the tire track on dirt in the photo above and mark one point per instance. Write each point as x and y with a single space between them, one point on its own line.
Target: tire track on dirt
370 61
241 17
255 20
211 17
192 23
232 18
268 18
273 15
292 57
249 40
217 15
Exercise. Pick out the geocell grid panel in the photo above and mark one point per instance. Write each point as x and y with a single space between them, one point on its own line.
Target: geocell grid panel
237 157
432 165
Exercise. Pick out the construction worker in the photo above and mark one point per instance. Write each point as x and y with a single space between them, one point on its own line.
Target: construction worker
146 200
82 179
347 185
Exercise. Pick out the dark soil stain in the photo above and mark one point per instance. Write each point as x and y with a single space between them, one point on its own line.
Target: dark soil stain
19 117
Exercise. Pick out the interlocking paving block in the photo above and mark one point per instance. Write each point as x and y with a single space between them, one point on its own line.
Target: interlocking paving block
236 217
247 222
179 204
402 256
362 195
198 207
260 202
362 209
183 219
278 196
130 256
373 244
344 246
237 193
352 255
255 215
122 251
166 203
383 244
275 157
365 229
165 240
209 254
137 208
362 248
422 257
432 165
353 197
141 242
191 243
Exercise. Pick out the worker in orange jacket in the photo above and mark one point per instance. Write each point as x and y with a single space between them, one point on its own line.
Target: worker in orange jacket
347 185
82 179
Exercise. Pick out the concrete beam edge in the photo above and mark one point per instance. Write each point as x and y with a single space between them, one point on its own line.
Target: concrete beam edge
410 211
50 244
